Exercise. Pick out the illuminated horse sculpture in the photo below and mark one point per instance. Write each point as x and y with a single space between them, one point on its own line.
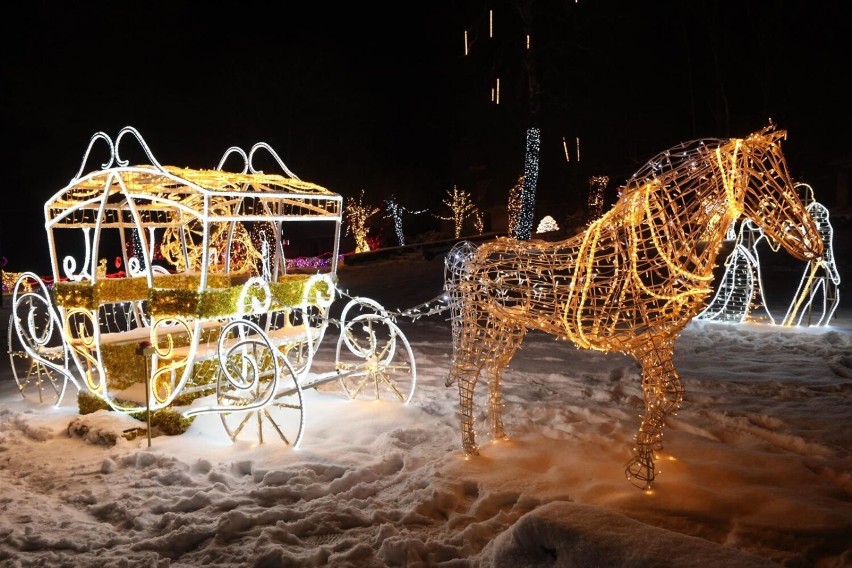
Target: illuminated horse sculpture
630 283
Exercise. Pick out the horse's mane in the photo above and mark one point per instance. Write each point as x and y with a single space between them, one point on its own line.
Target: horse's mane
671 160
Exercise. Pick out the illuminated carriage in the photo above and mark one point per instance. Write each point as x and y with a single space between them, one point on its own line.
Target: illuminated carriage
207 316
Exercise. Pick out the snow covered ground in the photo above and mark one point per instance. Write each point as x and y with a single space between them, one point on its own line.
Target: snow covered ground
757 468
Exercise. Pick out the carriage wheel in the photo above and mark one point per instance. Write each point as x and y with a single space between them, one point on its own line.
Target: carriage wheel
378 362
301 353
262 390
34 328
31 375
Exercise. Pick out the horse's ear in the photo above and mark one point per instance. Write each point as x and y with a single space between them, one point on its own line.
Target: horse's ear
779 135
771 132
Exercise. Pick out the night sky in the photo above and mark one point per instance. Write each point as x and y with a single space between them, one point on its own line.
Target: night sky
383 99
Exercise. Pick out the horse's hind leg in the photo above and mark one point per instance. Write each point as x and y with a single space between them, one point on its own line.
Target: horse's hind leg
506 340
663 392
490 345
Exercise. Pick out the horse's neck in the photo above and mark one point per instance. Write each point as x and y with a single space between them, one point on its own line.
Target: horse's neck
687 233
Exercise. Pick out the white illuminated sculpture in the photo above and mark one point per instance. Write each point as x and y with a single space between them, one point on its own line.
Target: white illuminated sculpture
818 295
740 290
213 332
630 283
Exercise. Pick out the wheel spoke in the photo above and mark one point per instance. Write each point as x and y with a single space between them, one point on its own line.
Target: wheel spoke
392 385
384 363
274 424
361 386
241 425
273 402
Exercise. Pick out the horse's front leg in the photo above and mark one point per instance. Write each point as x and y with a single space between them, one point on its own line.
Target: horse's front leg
663 391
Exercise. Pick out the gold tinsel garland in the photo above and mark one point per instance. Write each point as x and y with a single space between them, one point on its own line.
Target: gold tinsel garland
215 303
178 294
124 367
84 294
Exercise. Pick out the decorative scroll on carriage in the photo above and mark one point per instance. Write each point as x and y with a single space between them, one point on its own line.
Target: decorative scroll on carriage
208 316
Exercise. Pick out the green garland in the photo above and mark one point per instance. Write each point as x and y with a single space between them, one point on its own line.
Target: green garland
177 295
169 422
84 294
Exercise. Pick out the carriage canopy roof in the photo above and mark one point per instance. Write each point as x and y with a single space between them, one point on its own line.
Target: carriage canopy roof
159 195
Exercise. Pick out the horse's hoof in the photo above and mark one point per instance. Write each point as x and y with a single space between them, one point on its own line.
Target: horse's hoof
640 472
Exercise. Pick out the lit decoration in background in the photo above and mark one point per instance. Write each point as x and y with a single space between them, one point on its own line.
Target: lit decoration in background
262 238
9 279
312 262
478 221
597 187
395 211
531 157
136 251
461 207
357 214
630 283
514 205
215 329
820 278
183 246
523 229
567 151
546 225
740 290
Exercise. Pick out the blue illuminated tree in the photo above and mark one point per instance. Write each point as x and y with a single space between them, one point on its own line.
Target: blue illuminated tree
395 211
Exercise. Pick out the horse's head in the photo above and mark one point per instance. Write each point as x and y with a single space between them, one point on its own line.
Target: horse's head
765 193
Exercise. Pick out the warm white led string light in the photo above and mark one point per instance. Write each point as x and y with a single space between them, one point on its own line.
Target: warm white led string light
597 187
461 208
630 283
357 215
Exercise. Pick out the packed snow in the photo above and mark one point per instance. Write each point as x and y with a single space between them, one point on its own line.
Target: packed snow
756 471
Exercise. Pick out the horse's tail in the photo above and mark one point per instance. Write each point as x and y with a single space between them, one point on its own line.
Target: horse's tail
456 270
